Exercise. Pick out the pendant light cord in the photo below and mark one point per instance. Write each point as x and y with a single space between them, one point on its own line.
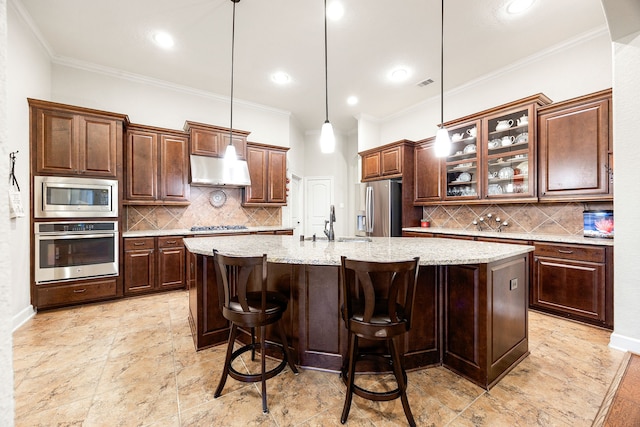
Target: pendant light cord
442 66
326 72
233 44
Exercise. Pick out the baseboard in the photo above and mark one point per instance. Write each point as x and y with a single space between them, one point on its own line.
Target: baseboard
24 315
621 342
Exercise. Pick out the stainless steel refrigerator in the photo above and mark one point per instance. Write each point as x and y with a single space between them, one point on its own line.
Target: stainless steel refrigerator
379 209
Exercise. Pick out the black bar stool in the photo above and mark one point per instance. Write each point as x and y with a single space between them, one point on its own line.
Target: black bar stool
378 301
246 307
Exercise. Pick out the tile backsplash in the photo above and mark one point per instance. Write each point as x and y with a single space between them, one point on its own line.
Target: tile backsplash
202 212
541 218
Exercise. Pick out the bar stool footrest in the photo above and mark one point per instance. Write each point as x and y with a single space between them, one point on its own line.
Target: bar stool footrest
239 376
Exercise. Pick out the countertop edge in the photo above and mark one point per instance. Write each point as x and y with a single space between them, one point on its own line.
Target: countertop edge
188 233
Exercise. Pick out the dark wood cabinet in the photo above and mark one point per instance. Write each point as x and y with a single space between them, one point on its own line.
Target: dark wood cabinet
268 170
153 264
575 148
211 141
69 140
157 166
77 292
428 177
388 161
574 281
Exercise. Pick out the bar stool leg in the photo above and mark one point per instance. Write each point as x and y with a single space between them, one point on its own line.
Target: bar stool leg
227 360
253 344
398 370
263 365
350 372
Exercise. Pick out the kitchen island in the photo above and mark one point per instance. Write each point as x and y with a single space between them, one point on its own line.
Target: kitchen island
471 300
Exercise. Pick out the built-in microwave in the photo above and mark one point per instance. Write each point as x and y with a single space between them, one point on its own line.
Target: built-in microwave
71 197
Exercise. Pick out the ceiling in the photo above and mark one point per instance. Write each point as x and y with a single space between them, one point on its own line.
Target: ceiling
372 37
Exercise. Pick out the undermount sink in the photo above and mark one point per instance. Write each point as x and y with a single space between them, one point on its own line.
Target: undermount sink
353 239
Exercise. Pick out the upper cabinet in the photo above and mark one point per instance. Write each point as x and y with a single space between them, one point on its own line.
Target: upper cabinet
70 140
493 155
157 166
385 162
268 171
427 177
575 149
212 141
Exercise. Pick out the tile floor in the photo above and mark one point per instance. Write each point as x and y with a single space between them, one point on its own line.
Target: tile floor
132 363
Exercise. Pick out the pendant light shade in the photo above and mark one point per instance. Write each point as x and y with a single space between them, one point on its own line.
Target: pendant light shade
442 145
327 137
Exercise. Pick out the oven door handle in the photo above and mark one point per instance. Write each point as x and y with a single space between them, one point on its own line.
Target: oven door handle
70 235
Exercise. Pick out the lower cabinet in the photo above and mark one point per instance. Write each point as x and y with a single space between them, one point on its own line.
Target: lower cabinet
153 264
574 281
76 292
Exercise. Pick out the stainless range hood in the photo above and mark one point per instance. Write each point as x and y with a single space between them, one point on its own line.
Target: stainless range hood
211 171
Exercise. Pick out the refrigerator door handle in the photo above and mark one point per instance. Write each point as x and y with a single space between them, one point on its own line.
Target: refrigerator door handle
369 209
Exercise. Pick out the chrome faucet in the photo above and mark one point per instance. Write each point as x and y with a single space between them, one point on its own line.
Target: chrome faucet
332 218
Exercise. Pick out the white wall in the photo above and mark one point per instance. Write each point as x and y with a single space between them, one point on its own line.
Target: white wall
6 359
571 69
626 108
29 71
155 103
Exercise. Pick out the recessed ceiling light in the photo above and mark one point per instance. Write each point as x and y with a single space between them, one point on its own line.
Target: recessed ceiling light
280 77
352 100
335 10
163 39
519 6
399 74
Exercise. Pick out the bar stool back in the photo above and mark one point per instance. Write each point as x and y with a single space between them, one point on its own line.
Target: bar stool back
378 301
248 304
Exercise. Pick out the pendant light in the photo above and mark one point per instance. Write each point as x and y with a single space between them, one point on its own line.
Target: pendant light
230 155
442 145
327 138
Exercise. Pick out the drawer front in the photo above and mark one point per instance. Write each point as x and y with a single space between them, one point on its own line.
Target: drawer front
70 294
138 244
170 242
572 252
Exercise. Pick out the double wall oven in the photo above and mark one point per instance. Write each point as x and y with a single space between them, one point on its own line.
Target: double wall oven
76 229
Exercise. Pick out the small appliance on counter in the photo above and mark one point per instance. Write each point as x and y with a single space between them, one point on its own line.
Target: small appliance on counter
598 224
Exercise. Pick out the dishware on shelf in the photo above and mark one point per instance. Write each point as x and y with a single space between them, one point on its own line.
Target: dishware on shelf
457 136
493 175
472 132
523 137
524 120
464 177
495 143
505 173
495 189
463 165
504 124
507 140
524 168
471 148
458 153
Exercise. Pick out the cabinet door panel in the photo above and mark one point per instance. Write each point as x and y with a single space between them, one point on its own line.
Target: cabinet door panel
428 182
174 167
142 166
205 143
569 287
574 142
391 161
139 271
257 163
277 177
171 267
97 146
55 136
371 166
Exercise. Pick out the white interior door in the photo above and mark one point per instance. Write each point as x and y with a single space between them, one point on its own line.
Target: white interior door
318 199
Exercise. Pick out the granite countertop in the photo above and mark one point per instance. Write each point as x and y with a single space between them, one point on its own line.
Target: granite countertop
290 249
553 238
187 232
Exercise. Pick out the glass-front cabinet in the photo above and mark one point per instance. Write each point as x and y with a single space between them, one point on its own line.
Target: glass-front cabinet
510 154
463 170
493 154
